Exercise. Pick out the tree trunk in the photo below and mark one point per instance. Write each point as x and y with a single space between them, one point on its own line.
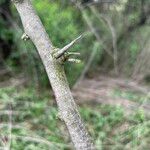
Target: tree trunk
55 71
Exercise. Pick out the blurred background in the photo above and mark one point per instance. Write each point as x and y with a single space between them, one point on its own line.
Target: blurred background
111 85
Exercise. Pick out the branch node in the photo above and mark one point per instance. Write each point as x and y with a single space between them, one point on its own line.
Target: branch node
66 57
25 37
59 116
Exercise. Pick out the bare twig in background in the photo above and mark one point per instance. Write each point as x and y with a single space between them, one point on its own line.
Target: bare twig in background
107 19
14 81
39 140
10 129
87 66
90 25
8 112
142 65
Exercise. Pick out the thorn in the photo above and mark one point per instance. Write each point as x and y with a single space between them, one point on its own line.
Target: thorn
74 60
65 48
25 37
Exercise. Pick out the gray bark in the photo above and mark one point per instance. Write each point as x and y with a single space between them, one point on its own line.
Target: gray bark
55 71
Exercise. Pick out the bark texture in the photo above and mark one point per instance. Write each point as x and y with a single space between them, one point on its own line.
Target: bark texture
55 71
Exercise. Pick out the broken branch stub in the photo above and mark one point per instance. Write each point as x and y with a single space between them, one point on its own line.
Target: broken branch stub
62 51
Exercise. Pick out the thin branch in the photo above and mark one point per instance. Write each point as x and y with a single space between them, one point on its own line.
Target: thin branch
113 33
91 27
74 60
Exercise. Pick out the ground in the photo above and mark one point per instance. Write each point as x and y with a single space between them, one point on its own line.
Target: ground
115 111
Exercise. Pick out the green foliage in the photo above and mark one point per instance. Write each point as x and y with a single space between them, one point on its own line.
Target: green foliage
36 118
134 48
64 23
60 23
5 33
139 116
133 96
102 120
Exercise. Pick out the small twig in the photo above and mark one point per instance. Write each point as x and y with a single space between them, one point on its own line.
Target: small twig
73 53
39 140
10 129
106 19
74 60
16 126
8 112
